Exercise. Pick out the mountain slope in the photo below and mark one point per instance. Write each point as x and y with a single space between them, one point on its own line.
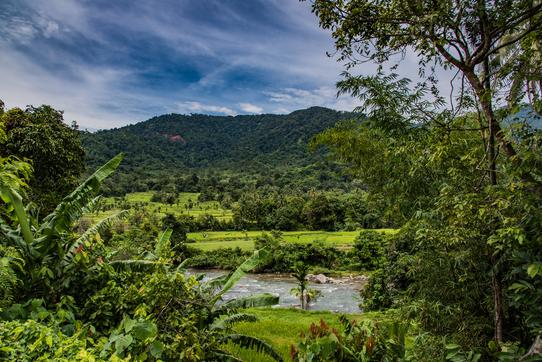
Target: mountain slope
198 141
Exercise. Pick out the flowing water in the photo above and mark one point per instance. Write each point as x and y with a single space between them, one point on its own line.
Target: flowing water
342 298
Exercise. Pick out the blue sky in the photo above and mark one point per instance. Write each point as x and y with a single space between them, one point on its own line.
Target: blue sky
110 63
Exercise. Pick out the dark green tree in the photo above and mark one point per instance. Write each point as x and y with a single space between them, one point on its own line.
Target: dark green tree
469 37
54 149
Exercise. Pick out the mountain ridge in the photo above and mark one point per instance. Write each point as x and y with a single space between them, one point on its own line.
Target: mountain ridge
205 141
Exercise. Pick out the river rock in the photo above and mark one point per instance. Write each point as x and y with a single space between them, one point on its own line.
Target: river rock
321 279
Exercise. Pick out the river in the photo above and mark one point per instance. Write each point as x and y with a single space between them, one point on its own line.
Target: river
343 298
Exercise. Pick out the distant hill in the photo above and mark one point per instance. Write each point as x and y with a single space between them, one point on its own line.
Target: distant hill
197 141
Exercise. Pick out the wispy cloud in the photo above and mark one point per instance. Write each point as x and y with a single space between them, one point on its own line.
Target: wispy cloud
112 63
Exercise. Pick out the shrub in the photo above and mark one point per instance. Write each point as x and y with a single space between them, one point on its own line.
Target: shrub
369 250
365 341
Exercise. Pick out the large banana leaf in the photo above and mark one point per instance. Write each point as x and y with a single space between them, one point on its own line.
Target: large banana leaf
14 238
163 244
257 300
74 205
16 201
259 257
212 285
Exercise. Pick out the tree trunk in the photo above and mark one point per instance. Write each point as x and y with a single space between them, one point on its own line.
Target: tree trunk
498 308
483 93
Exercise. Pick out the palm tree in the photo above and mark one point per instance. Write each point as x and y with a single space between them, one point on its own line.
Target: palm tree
302 291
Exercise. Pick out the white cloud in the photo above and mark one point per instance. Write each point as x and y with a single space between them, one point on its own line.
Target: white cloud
281 110
197 107
87 99
250 108
290 99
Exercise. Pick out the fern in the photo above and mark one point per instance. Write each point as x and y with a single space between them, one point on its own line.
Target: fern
10 263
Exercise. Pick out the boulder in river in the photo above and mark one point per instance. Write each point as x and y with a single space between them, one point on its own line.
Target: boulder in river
321 279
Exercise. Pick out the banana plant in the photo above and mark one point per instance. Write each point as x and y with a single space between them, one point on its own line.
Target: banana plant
223 315
49 249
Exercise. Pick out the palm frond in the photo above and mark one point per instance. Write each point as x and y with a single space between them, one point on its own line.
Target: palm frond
259 257
225 323
88 236
74 205
257 344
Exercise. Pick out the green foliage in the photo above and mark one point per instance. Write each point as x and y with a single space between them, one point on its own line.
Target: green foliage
52 256
33 341
365 341
286 255
369 249
11 264
134 337
223 258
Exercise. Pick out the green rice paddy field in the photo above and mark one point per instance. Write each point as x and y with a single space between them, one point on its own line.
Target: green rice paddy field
181 207
212 240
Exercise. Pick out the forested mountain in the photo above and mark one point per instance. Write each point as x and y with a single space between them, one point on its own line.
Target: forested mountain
202 141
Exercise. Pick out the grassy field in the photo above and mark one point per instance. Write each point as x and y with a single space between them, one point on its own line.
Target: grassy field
245 240
181 207
281 328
